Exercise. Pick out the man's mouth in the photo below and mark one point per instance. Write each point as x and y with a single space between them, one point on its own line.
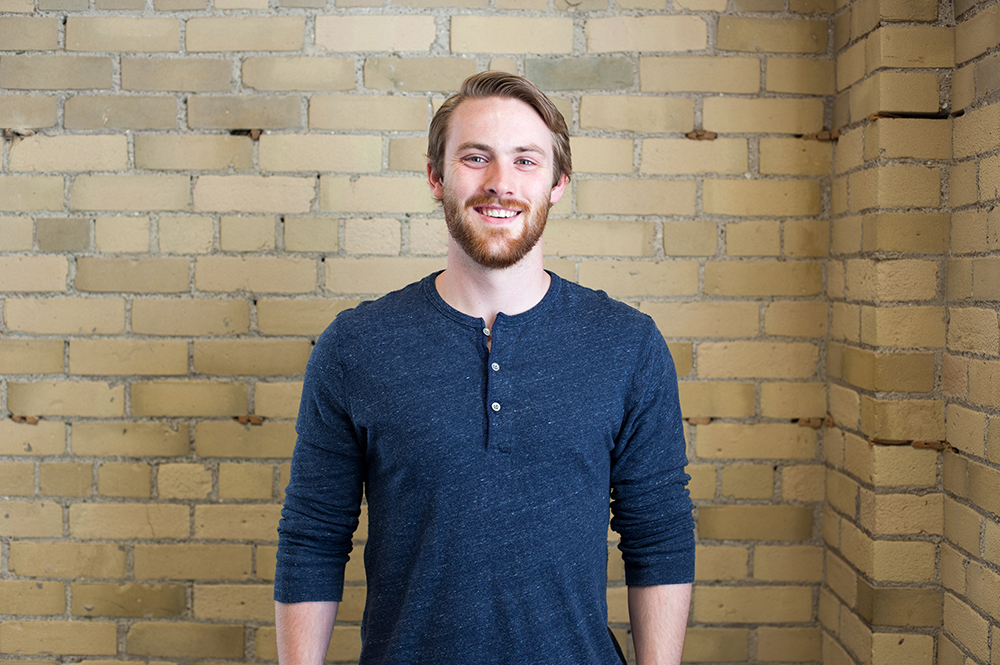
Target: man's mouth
496 213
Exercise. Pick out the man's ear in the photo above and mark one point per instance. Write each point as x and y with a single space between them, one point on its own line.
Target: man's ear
559 189
435 181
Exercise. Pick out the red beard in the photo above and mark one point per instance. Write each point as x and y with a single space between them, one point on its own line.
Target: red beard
497 247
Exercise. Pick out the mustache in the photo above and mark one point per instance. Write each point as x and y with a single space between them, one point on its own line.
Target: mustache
487 200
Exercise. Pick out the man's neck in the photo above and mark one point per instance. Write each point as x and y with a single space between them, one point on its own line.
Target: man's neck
484 292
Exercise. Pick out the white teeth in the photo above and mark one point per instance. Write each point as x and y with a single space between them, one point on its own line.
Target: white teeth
493 212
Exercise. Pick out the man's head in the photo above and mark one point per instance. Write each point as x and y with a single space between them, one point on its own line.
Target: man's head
507 86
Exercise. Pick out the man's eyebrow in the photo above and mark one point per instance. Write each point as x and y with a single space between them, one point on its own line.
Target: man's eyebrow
472 145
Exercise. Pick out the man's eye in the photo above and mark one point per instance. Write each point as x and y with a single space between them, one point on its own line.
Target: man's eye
476 158
525 162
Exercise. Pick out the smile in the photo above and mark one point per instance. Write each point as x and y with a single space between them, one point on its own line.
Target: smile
498 213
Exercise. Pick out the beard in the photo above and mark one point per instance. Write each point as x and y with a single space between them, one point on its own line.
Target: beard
494 247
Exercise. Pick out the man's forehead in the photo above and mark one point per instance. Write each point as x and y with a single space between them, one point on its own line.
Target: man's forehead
512 120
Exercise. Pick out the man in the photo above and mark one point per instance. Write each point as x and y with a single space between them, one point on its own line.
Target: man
489 413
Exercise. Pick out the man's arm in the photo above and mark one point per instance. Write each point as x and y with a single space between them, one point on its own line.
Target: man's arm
304 631
658 615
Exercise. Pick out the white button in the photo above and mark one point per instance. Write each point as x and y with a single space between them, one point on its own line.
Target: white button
486 331
496 367
495 406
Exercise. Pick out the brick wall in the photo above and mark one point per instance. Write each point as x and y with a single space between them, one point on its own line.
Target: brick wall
190 192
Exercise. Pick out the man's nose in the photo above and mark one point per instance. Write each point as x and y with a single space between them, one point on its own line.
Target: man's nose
499 181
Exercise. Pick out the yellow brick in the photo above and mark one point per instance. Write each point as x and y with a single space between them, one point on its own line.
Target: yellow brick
120 112
192 562
416 74
246 33
755 522
855 633
911 46
55 559
312 234
245 481
903 326
917 233
237 522
779 116
41 72
973 329
128 600
154 275
124 479
35 273
800 76
31 597
796 319
704 319
902 513
22 193
241 112
986 280
715 644
189 317
298 73
761 197
176 74
129 439
375 33
720 563
636 114
122 234
908 137
277 400
24 33
155 151
646 33
252 602
636 197
31 357
717 399
909 420
984 488
903 372
123 520
791 563
256 274
702 483
963 87
29 111
126 356
186 235
757 238
584 237
748 481
671 156
16 234
761 441
373 236
290 152
253 193
120 33
775 35
256 357
23 519
376 275
246 234
976 35
977 131
699 73
889 280
804 482
298 317
991 549
229 439
371 194
62 398
18 479
183 481
368 112
184 640
788 644
69 153
694 238
760 604
621 279
894 92
592 155
510 34
895 186
64 478
841 493
966 626
188 398
757 278
407 154
845 406
59 637
129 192
757 359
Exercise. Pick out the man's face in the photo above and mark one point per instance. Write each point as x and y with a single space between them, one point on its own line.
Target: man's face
497 185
